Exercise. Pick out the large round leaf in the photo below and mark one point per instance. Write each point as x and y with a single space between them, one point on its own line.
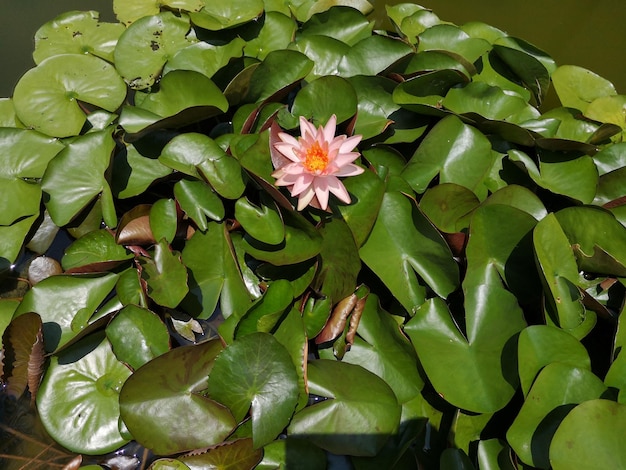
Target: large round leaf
590 437
76 32
256 373
146 46
47 97
326 96
78 398
358 416
95 251
77 176
127 12
25 157
227 13
577 87
443 151
406 251
137 336
66 304
558 388
165 275
163 406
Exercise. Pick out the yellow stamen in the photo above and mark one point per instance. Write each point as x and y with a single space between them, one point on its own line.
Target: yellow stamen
316 159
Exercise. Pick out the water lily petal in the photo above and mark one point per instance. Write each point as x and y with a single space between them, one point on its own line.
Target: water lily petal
349 170
338 189
305 198
350 143
329 129
321 191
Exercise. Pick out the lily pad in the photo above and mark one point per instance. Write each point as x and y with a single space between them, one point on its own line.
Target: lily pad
77 32
152 411
577 87
356 418
256 374
85 421
47 97
147 44
227 14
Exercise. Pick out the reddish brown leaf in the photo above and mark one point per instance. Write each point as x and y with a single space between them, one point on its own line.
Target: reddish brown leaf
337 321
134 227
23 340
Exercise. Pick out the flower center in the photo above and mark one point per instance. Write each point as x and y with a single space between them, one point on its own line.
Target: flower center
316 159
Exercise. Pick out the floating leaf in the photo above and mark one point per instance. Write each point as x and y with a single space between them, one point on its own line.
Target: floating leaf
233 455
146 45
155 397
441 153
95 251
560 274
557 389
47 97
86 420
164 219
60 299
217 16
127 12
83 162
588 437
577 87
541 345
255 373
165 275
137 336
76 32
404 245
199 202
219 280
358 415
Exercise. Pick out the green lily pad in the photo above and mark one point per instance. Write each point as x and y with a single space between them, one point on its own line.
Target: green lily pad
276 34
47 97
205 58
227 14
255 373
373 55
375 105
199 202
165 275
26 156
557 389
97 249
137 336
147 44
239 454
128 12
77 32
77 176
559 270
266 312
345 24
220 280
323 97
184 97
169 387
302 242
381 348
609 109
271 76
578 87
262 222
78 398
164 220
441 153
339 264
66 304
144 171
541 345
597 238
589 437
403 249
448 206
358 416
451 38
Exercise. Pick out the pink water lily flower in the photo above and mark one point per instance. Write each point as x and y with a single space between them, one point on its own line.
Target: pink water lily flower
315 162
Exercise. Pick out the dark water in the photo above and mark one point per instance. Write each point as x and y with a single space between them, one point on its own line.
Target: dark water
589 33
